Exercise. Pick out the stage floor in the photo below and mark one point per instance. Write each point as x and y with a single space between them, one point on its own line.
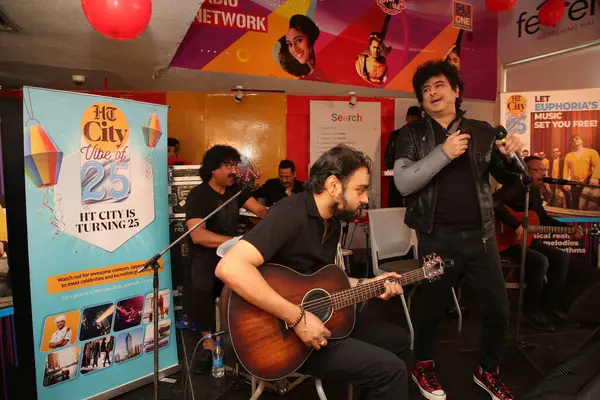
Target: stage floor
454 369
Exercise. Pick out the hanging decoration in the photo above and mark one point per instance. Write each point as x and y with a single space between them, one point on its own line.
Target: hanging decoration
119 20
552 12
500 5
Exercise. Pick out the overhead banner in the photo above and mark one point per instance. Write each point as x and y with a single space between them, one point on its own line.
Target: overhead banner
521 36
96 187
358 126
562 128
374 43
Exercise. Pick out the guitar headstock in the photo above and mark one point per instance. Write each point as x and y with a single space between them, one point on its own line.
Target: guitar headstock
594 230
433 267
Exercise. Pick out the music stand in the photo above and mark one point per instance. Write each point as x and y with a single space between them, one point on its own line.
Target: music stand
154 264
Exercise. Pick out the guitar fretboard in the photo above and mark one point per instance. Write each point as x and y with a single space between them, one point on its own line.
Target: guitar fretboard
551 229
363 292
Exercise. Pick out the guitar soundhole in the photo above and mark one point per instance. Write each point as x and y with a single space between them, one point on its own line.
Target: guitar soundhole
318 302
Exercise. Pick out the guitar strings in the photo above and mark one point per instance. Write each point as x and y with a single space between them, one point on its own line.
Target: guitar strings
374 287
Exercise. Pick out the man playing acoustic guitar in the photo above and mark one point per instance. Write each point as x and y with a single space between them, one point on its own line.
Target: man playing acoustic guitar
542 261
302 232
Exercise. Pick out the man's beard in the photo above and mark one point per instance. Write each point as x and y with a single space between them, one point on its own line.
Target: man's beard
344 214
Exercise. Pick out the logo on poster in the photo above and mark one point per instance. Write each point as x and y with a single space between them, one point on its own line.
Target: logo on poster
516 104
104 151
462 16
577 11
515 118
392 7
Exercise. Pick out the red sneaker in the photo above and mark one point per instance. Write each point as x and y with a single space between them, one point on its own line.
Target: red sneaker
492 383
426 380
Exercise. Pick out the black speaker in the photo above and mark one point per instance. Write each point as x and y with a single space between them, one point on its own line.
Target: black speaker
577 378
581 294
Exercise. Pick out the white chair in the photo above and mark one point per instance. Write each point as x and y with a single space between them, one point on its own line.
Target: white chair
390 237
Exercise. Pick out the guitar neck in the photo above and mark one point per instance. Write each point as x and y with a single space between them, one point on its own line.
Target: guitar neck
551 229
366 291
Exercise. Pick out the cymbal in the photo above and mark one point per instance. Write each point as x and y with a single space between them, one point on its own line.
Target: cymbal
225 246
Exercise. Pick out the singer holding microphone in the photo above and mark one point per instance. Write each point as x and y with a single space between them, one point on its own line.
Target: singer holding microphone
541 300
443 163
219 174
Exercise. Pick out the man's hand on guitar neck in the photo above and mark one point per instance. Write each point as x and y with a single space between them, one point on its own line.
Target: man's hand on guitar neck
312 331
519 233
578 233
392 287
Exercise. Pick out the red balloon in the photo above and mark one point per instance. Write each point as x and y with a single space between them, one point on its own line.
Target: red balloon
118 19
551 12
500 5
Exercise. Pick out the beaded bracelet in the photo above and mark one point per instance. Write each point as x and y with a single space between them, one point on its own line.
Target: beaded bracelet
299 318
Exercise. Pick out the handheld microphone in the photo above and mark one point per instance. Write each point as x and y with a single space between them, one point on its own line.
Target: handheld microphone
501 135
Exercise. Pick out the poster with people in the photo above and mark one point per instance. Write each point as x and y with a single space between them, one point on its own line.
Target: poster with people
96 189
562 129
373 43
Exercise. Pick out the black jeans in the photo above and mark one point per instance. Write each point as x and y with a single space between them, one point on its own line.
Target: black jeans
201 289
369 358
542 262
479 262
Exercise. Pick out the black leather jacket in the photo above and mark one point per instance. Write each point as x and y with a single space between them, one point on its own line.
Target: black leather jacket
417 140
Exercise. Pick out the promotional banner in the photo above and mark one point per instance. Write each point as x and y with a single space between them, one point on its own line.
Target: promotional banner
96 187
358 126
562 128
521 36
374 43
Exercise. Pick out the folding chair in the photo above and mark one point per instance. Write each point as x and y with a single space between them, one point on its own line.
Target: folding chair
390 237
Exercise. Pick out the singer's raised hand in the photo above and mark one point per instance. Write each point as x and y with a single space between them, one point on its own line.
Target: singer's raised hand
456 144
510 144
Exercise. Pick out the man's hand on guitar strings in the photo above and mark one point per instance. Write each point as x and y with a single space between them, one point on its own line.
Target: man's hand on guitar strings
312 331
578 233
392 287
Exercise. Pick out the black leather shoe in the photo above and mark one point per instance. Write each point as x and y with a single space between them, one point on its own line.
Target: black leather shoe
561 319
536 320
203 361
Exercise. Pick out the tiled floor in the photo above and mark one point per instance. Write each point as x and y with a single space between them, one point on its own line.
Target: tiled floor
455 367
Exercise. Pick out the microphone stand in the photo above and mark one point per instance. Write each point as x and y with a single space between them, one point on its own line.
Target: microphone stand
154 264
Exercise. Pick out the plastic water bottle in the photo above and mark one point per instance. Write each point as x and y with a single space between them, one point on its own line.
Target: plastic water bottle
218 366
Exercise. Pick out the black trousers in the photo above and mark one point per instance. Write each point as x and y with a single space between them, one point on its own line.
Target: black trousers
479 262
201 289
542 262
369 359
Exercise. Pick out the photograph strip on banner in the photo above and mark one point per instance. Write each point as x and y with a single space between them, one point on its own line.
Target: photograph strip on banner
358 126
96 188
562 128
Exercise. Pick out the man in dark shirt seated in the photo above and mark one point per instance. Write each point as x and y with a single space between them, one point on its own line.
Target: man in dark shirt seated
218 173
302 233
278 188
542 261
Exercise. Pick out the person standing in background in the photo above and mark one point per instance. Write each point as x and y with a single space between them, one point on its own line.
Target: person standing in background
276 189
173 153
396 199
582 164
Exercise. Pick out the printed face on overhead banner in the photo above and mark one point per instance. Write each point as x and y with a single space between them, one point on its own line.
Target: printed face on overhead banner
562 128
374 43
521 35
96 189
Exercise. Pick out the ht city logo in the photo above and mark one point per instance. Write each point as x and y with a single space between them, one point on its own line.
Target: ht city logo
529 24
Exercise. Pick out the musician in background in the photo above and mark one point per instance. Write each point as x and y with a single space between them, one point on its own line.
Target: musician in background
582 164
560 197
302 233
443 163
218 173
541 301
278 188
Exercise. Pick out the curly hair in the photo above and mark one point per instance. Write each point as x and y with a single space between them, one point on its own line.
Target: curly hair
340 161
437 68
287 61
215 157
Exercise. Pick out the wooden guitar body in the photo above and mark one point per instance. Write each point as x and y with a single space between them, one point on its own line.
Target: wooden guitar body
262 344
506 237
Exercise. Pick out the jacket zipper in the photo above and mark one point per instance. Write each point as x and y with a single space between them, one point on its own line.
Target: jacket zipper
470 148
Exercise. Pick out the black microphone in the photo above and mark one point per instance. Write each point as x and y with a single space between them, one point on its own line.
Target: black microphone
560 181
501 135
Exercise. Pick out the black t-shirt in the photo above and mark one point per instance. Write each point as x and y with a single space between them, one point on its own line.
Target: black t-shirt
273 191
293 234
202 200
456 204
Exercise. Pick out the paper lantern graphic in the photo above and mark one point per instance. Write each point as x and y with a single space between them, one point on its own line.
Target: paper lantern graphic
151 130
43 158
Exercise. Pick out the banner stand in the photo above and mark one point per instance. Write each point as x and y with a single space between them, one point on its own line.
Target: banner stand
138 383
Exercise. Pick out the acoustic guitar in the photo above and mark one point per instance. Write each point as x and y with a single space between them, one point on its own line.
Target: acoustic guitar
506 237
267 348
